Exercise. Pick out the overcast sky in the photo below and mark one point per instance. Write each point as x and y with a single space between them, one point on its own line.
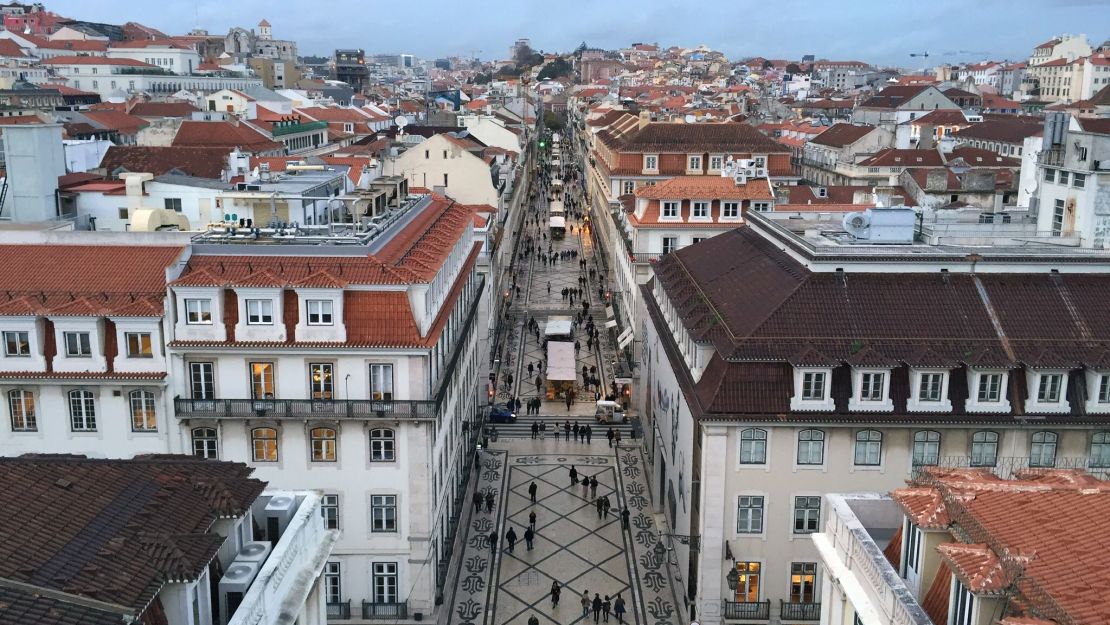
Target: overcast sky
879 31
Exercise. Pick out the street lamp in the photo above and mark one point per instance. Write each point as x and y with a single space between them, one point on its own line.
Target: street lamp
733 579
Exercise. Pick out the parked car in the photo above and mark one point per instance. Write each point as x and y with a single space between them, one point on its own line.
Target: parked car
500 413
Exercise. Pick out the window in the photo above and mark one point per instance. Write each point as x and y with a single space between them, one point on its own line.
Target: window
1100 449
811 447
984 449
385 582
747 583
963 606
78 344
17 344
173 204
144 417
753 446
730 210
22 406
319 312
124 215
813 386
260 312
628 187
1058 218
926 447
869 448
1042 452
320 381
715 162
198 312
138 345
749 515
382 446
1079 181
760 161
262 380
323 444
1048 388
990 387
670 244
670 210
205 443
333 586
1049 175
383 513
694 163
761 207
1063 177
329 510
929 387
651 162
201 381
265 444
82 411
871 386
381 382
701 210
803 575
445 180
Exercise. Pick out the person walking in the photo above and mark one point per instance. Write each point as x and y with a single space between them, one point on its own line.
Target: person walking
599 507
606 607
573 475
604 506
566 431
624 518
539 384
585 603
593 486
532 491
510 537
555 590
576 432
493 540
589 434
530 535
532 519
585 486
609 435
568 400
618 608
489 501
617 441
477 500
535 429
596 605
532 620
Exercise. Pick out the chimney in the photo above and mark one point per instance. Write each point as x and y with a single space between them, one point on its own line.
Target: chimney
133 184
645 119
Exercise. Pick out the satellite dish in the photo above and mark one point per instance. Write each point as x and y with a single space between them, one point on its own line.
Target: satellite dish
691 119
401 121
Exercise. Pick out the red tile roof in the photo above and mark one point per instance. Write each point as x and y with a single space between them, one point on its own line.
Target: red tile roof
76 45
225 135
202 162
706 188
84 279
666 137
163 109
65 90
840 135
923 506
941 117
9 48
892 157
120 122
893 97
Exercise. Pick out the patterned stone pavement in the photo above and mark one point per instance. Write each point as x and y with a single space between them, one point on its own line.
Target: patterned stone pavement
573 546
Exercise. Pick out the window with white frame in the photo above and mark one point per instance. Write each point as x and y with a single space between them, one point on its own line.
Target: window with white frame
990 388
381 382
322 444
749 514
869 448
730 210
803 581
320 384
651 162
670 210
264 443
329 510
383 446
807 514
333 583
198 311
628 187
1048 387
17 343
205 443
871 386
670 244
262 380
78 344
383 513
963 606
926 447
813 386
929 387
21 405
202 383
144 416
1042 449
761 161
753 446
138 345
82 411
1100 450
693 163
700 210
984 448
319 312
811 447
260 312
761 207
1104 389
716 161
385 582
747 582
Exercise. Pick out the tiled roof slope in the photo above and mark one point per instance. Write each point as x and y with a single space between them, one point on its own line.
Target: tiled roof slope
840 135
706 188
659 137
112 530
223 134
202 162
99 280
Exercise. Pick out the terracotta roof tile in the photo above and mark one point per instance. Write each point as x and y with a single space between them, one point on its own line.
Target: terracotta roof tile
202 162
840 135
706 188
223 134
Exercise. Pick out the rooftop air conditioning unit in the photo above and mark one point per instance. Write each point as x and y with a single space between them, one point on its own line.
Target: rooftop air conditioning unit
277 514
255 551
234 585
760 172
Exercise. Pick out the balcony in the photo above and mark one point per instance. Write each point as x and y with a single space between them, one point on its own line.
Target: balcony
340 611
281 129
799 611
748 610
384 611
644 257
1053 157
303 409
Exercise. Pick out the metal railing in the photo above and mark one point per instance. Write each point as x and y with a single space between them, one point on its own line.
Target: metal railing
1006 466
799 611
1053 157
382 611
748 610
340 610
644 257
303 409
289 129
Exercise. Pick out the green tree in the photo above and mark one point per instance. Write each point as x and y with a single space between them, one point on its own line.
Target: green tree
768 65
555 69
483 78
793 69
552 121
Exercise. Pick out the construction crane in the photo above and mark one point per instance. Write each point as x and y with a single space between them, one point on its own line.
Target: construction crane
924 62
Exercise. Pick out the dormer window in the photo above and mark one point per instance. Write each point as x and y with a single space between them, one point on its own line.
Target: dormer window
715 162
17 344
989 388
730 210
670 210
813 386
811 389
871 390
929 391
651 162
700 210
78 344
1048 391
198 311
260 312
319 312
988 391
693 163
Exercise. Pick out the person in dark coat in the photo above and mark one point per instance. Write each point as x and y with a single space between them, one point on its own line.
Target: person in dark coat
493 540
477 500
596 606
555 590
573 475
489 501
510 537
532 491
593 486
529 536
624 518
